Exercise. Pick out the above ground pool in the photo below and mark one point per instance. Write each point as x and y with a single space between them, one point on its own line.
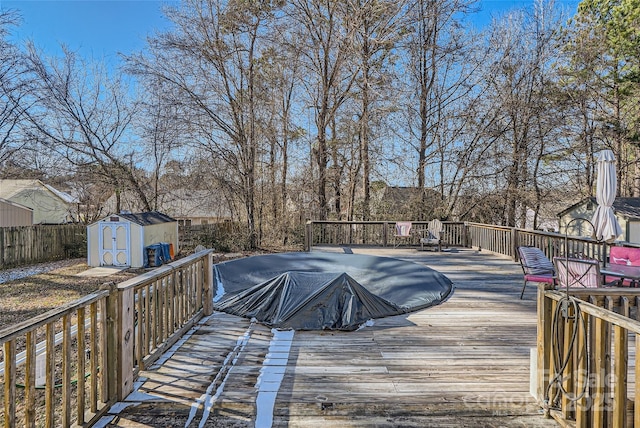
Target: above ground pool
318 291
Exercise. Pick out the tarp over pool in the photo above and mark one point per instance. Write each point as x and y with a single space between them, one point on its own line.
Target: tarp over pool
316 291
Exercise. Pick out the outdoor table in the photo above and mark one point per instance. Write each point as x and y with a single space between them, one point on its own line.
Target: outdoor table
623 272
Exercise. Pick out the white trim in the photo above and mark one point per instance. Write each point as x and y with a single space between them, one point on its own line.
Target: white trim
113 226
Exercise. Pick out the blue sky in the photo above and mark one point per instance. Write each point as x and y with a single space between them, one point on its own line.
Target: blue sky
102 28
97 28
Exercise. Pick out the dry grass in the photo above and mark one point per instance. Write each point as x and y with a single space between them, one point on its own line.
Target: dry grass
24 298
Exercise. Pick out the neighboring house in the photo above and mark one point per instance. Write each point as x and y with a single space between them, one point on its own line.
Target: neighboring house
13 214
49 205
402 203
546 224
195 207
188 207
627 211
122 239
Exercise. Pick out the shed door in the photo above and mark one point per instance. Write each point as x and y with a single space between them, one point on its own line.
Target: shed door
114 244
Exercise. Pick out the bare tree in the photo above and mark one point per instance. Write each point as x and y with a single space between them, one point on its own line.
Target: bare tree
210 61
324 39
439 76
278 83
161 132
84 115
378 25
13 93
519 86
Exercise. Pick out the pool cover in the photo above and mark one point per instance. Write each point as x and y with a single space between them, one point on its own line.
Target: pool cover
317 291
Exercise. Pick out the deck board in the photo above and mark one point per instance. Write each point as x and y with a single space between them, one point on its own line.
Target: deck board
462 363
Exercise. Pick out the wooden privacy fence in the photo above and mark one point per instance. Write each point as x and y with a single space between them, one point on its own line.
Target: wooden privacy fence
42 243
587 373
68 366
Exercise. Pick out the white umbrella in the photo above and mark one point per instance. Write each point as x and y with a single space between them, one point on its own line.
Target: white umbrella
604 220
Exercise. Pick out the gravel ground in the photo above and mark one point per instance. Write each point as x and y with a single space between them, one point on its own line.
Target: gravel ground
32 290
25 271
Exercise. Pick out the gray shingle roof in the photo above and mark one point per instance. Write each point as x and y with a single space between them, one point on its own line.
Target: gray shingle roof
147 218
628 207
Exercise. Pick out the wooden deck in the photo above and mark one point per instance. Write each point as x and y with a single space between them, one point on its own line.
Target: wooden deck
464 363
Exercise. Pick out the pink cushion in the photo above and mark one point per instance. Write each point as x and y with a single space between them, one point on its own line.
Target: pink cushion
539 278
611 279
578 272
624 256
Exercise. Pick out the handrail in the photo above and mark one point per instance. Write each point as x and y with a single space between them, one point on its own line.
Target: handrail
47 368
125 328
11 332
633 326
377 233
117 331
486 237
588 332
155 310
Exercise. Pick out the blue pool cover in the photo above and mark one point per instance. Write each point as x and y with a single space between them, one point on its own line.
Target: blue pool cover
325 291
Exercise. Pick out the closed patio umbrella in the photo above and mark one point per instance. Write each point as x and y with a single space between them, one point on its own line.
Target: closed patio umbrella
604 220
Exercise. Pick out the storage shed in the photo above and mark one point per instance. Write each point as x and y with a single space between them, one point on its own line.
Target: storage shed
122 239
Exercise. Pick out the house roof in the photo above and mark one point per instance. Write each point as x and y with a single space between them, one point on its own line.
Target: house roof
628 207
10 188
15 204
62 195
196 203
147 218
180 203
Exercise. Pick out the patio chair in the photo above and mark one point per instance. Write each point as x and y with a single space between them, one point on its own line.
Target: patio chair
536 267
431 235
579 272
403 232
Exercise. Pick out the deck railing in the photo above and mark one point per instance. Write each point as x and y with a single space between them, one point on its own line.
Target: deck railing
506 240
374 233
53 366
67 366
584 375
498 239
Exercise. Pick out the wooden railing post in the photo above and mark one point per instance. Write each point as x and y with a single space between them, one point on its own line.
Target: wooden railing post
308 236
124 333
385 233
544 343
111 353
207 294
465 235
514 243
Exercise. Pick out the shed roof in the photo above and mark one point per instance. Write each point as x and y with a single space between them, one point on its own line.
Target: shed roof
147 218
